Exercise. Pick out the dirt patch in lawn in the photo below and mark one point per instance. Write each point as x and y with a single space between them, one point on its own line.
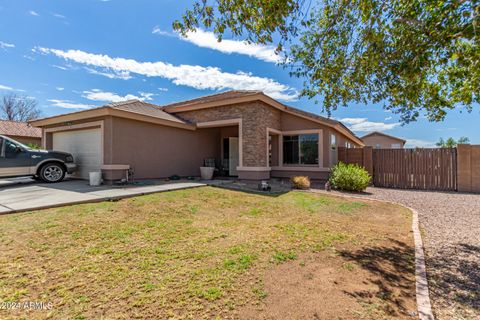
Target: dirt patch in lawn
211 253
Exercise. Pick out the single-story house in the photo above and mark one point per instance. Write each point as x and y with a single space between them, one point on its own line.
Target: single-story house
21 132
248 133
380 140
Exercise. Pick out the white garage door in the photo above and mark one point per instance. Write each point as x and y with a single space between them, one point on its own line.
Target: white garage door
84 145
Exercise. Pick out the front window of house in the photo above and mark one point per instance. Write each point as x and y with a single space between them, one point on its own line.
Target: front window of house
300 149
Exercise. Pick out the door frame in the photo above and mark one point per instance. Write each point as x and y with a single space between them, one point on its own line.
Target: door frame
226 123
233 171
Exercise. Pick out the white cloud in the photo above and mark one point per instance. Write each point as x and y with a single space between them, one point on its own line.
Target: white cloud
66 104
163 89
60 88
206 39
417 143
98 95
124 75
195 76
33 13
157 30
363 125
59 67
2 87
146 96
8 88
60 16
388 118
5 46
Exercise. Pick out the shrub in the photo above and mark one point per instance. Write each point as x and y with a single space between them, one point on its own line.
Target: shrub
349 177
300 182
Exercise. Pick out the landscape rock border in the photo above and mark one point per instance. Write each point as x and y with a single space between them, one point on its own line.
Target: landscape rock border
424 307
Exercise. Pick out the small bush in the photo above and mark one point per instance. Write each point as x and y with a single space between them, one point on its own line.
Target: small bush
349 177
300 182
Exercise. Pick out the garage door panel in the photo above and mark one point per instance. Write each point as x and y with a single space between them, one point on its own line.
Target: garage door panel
85 146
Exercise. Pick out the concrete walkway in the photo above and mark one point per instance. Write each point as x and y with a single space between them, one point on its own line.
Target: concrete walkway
34 196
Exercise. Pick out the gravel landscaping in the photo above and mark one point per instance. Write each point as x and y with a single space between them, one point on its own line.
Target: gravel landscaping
450 224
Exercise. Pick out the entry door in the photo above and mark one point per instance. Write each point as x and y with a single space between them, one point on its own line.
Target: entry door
233 156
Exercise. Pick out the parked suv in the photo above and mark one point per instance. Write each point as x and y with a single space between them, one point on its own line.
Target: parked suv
18 160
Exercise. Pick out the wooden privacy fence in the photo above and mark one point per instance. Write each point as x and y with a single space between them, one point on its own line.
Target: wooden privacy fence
427 169
361 156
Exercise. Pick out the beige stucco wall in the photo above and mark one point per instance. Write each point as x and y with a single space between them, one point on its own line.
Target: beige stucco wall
383 141
155 151
292 123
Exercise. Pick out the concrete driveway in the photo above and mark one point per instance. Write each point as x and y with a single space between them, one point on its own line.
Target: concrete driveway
26 194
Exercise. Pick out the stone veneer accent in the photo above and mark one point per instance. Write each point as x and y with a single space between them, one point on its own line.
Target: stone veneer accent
256 117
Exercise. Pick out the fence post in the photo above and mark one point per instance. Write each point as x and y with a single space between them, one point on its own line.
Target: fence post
341 154
464 168
368 159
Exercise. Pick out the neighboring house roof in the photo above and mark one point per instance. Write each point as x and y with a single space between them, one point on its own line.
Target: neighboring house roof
234 97
377 133
19 129
131 109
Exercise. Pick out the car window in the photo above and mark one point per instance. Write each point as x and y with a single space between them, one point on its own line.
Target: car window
10 149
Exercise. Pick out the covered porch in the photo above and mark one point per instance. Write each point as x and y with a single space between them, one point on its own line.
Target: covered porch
227 140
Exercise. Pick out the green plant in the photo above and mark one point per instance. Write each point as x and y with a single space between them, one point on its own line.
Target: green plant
33 146
350 177
300 182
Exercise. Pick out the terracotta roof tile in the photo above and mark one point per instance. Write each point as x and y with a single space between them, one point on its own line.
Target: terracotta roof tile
19 129
215 97
144 108
133 106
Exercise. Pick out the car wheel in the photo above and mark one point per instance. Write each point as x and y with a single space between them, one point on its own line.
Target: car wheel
52 172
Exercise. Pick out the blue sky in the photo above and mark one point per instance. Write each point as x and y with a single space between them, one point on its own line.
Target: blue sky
73 55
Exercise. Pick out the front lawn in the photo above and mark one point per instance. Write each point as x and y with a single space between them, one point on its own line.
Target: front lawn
211 253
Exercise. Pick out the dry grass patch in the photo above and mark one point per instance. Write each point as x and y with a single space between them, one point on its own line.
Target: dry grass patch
206 253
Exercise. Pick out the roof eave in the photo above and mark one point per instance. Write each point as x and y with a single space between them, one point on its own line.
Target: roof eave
260 96
108 111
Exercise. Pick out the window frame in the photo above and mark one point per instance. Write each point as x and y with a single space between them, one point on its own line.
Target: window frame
316 134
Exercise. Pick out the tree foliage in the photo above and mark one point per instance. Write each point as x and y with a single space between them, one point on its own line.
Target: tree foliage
451 142
415 56
18 108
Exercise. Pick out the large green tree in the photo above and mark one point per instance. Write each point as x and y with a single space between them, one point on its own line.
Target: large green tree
415 56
